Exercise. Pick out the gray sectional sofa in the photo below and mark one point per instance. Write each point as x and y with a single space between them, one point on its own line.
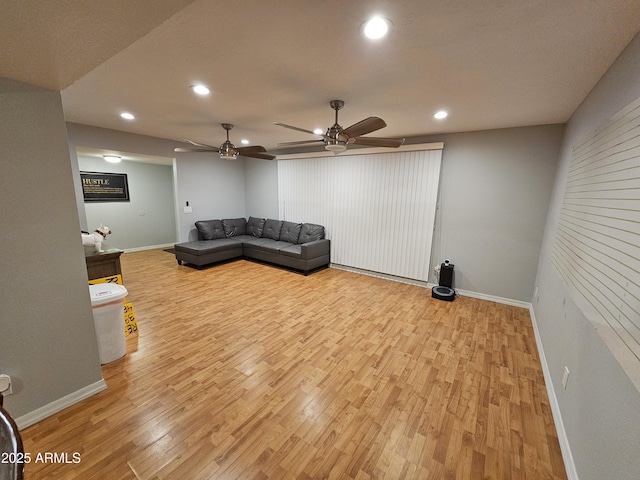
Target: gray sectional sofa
300 246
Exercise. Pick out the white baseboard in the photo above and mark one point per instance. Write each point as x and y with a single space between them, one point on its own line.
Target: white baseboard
54 407
492 298
420 283
385 276
149 247
565 448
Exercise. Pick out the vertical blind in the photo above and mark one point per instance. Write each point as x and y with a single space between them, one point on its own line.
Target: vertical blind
597 247
378 209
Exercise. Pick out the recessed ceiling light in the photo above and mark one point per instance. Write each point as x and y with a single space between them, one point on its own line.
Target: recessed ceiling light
112 158
440 115
376 28
318 131
127 116
200 89
244 141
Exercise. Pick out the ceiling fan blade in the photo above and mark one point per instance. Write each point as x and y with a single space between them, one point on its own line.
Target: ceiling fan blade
251 149
191 150
260 155
377 141
296 128
365 126
204 145
302 142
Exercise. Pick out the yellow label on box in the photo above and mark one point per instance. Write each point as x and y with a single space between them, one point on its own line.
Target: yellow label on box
110 279
130 324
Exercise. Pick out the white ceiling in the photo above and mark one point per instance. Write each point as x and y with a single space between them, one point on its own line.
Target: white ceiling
491 63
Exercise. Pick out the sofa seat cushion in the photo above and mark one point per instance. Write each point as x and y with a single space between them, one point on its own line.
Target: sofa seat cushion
210 229
204 247
294 251
251 241
273 246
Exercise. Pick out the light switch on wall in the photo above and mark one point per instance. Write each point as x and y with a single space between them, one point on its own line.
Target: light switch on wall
188 210
565 377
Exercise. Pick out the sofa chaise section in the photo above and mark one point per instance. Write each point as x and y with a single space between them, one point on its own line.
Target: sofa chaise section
204 252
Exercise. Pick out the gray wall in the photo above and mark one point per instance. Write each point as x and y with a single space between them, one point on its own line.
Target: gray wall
600 407
47 340
494 194
261 184
213 187
148 219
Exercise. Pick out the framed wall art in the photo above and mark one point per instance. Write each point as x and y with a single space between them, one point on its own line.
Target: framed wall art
104 187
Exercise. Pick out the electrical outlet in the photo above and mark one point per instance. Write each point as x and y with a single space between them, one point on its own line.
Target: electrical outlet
565 378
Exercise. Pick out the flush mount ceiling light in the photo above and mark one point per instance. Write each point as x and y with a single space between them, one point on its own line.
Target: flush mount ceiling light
440 115
376 28
200 89
127 116
112 158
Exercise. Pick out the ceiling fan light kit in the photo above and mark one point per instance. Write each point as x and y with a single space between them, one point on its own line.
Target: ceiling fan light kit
335 146
337 138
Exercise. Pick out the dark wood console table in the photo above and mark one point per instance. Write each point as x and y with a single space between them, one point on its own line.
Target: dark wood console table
103 264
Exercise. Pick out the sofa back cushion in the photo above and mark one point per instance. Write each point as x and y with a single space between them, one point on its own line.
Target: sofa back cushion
290 232
210 229
234 226
255 226
272 229
310 232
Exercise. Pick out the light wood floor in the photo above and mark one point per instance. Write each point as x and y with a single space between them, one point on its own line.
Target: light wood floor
246 371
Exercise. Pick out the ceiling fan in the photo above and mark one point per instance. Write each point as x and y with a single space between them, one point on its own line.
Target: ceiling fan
228 151
337 138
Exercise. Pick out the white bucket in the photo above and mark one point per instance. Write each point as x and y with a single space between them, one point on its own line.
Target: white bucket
108 318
